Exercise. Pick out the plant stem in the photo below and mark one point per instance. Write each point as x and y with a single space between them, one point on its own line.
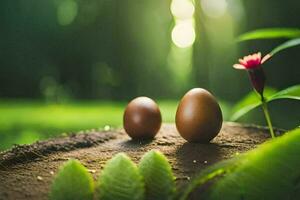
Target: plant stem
267 115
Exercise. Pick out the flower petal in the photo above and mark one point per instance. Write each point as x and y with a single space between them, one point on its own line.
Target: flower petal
259 55
265 58
243 62
239 66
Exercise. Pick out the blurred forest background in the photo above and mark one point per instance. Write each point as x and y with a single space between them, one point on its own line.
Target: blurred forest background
67 65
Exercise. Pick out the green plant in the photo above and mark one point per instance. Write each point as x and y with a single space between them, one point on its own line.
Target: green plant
73 182
158 176
120 179
270 33
269 172
251 101
253 65
26 121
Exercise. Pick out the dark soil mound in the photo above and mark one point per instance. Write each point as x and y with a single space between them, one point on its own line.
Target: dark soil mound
26 171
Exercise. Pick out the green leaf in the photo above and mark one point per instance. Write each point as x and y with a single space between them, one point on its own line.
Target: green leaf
286 45
292 92
270 171
120 179
248 103
252 101
72 182
270 33
157 173
210 174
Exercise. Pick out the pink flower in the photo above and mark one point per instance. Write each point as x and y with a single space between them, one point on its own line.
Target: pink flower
253 61
252 64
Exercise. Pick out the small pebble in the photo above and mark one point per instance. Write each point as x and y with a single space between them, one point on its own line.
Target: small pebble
205 162
194 161
52 172
39 178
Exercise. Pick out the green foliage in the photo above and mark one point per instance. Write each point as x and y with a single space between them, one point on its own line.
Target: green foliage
269 172
248 103
270 33
252 100
24 122
286 45
120 179
158 176
209 174
73 182
292 92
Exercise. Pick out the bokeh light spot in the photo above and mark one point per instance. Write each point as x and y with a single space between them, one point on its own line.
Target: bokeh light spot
214 8
182 9
66 12
183 34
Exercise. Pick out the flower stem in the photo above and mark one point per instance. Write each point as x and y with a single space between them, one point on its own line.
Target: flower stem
267 115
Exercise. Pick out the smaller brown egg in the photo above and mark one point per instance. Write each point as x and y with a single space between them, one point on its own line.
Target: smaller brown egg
142 118
199 116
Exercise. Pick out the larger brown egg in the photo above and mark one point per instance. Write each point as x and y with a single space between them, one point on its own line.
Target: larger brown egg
142 118
198 117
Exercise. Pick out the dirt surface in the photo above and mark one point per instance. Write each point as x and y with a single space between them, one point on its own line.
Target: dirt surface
26 171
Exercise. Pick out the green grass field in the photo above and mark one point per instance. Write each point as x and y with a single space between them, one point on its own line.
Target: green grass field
23 122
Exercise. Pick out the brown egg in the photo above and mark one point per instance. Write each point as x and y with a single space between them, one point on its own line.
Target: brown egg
142 118
198 117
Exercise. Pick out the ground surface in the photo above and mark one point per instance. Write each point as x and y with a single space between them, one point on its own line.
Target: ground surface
27 121
26 171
